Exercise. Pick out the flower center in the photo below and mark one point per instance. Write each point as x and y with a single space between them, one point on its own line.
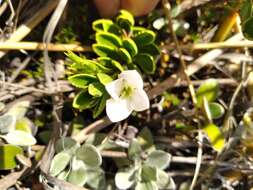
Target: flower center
126 91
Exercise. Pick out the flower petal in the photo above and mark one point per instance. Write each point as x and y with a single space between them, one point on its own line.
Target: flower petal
117 110
139 100
114 88
133 78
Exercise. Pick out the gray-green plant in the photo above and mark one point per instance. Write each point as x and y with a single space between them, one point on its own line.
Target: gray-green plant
120 45
17 132
77 164
146 169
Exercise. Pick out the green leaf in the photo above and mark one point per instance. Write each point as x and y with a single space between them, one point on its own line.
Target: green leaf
89 155
124 179
216 110
144 38
124 55
148 173
164 181
96 178
73 57
78 174
19 109
246 10
96 89
208 89
215 137
158 159
24 124
101 24
86 66
108 62
67 145
146 140
7 156
59 163
130 46
83 100
247 28
134 150
20 138
106 25
145 62
125 20
81 80
104 78
7 122
100 106
151 185
103 50
151 49
108 39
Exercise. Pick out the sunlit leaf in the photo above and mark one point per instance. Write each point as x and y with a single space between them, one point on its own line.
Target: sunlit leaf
208 89
96 89
7 156
78 174
104 78
125 20
81 80
20 138
215 136
24 124
103 50
108 39
159 159
89 155
124 179
59 163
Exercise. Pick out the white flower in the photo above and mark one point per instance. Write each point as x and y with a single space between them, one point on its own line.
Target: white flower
127 95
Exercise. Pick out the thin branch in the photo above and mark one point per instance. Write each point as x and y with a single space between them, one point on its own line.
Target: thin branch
199 159
167 8
39 46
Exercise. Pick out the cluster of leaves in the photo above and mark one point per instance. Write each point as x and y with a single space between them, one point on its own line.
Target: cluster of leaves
17 131
143 169
120 45
146 169
77 164
207 94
